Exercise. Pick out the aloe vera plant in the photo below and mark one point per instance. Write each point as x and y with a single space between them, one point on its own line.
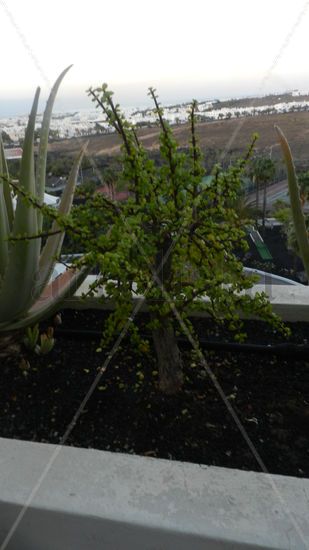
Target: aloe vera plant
298 217
26 293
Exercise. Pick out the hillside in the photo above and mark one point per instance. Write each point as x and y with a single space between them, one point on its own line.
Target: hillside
269 100
228 136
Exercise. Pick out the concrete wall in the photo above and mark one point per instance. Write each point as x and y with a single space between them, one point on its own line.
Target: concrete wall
290 302
97 500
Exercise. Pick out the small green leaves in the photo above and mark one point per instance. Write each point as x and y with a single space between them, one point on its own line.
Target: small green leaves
174 240
46 340
31 337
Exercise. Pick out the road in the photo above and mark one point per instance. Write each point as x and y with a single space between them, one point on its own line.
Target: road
276 191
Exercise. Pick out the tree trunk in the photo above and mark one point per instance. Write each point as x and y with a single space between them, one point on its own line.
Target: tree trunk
165 343
264 204
257 194
169 359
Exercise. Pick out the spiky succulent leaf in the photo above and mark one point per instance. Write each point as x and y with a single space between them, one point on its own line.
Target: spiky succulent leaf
19 305
4 233
54 242
6 188
50 301
42 153
4 222
23 259
295 200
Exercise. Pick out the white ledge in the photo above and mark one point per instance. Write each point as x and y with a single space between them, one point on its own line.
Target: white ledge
290 302
94 499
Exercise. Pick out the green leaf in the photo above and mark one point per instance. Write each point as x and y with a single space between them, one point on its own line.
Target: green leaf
54 242
42 154
15 292
5 185
295 199
4 222
51 300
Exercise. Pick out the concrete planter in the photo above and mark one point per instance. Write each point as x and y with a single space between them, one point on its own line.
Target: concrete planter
290 302
62 498
87 499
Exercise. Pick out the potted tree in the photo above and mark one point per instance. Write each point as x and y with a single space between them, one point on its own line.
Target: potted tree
172 243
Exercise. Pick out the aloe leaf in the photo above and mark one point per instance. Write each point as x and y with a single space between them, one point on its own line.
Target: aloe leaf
4 233
21 272
51 299
5 185
42 153
54 242
4 222
295 199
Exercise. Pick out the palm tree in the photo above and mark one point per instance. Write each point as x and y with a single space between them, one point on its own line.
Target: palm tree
263 170
245 208
303 182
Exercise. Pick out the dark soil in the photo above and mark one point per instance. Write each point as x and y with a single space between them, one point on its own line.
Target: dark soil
127 413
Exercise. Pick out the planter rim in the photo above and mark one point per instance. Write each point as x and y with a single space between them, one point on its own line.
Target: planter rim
208 503
290 302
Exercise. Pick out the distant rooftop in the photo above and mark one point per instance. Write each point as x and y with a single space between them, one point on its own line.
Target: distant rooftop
13 153
114 195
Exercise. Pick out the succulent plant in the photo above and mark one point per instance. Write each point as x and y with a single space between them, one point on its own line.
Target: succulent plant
298 217
26 293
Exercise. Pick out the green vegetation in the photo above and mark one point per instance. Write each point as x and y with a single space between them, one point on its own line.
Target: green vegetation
297 231
303 182
42 343
26 295
263 170
172 242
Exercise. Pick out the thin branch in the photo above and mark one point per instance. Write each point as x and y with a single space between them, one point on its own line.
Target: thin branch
38 236
167 137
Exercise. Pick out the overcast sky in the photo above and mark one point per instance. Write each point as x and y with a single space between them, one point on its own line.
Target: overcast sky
189 48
